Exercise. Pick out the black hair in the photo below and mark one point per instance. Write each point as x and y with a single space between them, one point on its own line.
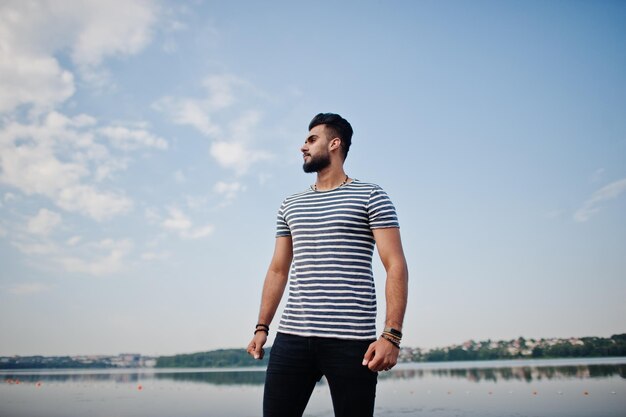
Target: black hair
338 126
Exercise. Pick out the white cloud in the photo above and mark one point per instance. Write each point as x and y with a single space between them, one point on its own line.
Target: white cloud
149 256
220 88
236 152
28 288
105 258
33 33
196 202
152 215
110 28
242 129
180 224
189 112
44 222
62 158
172 26
233 135
198 232
198 112
155 256
606 193
9 197
36 248
47 50
228 189
237 155
31 162
106 168
131 139
177 221
73 241
54 155
99 205
39 81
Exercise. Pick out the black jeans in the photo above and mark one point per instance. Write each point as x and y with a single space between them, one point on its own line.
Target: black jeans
296 363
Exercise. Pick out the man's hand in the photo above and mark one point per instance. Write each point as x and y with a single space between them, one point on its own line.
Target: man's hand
255 347
381 356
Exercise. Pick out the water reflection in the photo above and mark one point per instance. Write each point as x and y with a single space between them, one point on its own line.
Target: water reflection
230 377
257 377
522 373
564 389
217 378
37 376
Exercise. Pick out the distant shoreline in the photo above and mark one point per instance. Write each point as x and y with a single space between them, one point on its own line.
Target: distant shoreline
469 351
425 366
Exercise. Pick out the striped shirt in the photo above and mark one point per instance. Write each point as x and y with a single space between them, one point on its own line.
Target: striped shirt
331 285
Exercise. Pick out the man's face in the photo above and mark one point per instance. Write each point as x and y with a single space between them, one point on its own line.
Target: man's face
315 150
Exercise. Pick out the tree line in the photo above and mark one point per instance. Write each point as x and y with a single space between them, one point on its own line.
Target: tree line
585 347
222 358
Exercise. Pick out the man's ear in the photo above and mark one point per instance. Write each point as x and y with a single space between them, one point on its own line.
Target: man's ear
335 144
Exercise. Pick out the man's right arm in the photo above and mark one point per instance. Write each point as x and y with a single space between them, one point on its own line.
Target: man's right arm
273 289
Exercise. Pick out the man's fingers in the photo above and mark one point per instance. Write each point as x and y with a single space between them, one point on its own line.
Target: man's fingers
259 353
255 348
376 364
369 354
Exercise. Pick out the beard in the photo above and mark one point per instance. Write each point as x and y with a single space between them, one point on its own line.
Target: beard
316 163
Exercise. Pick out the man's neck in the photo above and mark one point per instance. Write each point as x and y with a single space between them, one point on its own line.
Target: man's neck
330 178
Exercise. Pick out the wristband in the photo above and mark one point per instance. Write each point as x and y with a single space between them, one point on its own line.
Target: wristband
396 333
390 340
262 330
392 337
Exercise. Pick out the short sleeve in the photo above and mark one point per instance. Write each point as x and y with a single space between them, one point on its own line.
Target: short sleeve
381 211
282 228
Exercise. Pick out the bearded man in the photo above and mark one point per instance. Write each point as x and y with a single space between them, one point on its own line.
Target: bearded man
326 237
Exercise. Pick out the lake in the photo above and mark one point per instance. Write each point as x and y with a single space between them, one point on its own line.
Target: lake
565 387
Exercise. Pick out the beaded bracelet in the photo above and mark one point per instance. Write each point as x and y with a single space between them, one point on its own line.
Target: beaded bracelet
390 340
263 328
392 337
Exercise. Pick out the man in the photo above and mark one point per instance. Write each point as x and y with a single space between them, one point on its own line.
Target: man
326 236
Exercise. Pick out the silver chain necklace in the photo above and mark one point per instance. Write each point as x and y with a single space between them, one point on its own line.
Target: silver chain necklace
342 184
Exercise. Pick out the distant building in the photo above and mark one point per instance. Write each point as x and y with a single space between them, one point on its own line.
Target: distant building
147 362
126 360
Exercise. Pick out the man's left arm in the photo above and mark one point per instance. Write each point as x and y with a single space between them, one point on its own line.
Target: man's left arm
382 354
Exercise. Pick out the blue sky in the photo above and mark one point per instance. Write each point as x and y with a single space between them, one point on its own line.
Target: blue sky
146 146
